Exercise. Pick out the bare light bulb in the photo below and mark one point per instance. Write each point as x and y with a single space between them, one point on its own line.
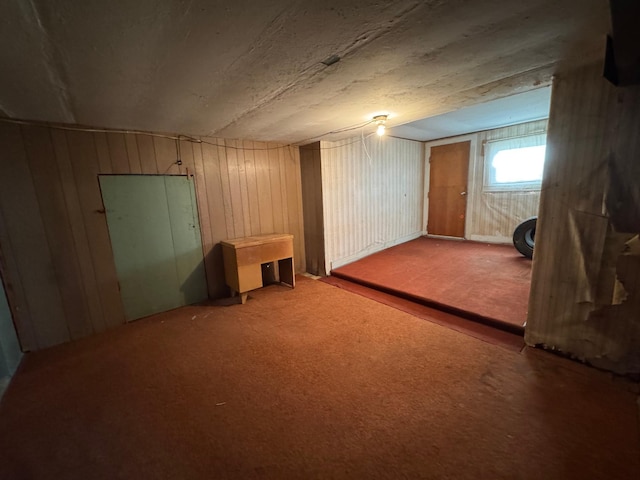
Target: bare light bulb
380 121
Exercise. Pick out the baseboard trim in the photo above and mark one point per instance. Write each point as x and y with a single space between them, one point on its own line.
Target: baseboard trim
491 239
445 237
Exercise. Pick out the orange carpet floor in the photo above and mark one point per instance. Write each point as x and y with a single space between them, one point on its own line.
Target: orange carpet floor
314 382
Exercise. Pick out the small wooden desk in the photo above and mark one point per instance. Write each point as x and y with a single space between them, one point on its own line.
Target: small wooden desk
244 257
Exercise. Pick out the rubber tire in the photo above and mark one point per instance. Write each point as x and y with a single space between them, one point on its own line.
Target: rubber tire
524 237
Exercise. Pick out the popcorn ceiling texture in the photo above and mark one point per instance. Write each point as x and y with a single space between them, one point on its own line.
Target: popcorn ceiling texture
253 70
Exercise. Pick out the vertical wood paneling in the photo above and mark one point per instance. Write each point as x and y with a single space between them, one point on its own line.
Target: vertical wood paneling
238 202
147 154
252 187
55 245
213 209
27 240
217 186
118 153
80 244
15 291
243 180
187 158
371 196
84 162
102 151
133 154
166 152
585 292
283 188
48 187
202 195
276 189
265 199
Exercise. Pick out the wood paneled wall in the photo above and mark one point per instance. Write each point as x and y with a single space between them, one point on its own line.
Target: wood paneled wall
246 188
585 291
373 192
311 169
57 261
492 216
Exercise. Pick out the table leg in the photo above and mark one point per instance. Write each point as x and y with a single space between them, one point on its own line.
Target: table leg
287 272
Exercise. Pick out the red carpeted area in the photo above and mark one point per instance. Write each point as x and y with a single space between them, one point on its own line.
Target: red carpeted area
485 282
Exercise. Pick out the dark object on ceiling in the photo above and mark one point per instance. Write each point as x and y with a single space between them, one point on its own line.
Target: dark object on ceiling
331 60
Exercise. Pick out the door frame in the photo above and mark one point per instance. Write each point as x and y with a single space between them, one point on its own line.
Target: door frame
472 138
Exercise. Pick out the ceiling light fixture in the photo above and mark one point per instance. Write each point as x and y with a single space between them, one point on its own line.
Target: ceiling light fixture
380 120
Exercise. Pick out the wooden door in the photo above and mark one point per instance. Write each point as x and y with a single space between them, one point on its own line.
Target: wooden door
155 236
449 169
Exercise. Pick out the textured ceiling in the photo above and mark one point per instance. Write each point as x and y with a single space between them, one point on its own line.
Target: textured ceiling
253 69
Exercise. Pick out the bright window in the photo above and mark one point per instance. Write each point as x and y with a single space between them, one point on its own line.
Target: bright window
514 163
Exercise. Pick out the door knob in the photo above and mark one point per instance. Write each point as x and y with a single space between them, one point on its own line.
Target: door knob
463 193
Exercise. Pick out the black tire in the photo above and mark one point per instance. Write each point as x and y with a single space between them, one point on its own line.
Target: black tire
524 237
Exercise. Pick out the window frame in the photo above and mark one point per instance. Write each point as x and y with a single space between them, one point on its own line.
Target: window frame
492 147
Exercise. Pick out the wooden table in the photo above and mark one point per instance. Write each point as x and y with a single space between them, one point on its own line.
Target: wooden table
244 257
